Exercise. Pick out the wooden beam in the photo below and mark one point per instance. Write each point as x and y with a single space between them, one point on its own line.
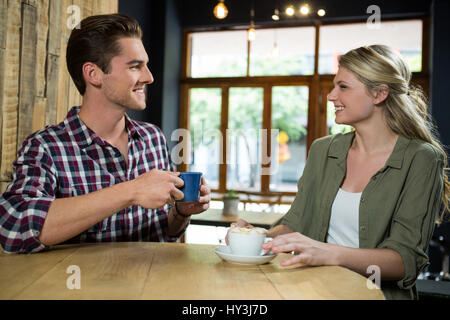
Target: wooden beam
266 141
184 122
223 166
248 81
186 55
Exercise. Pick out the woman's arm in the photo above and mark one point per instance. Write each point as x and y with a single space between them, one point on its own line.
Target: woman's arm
316 253
388 261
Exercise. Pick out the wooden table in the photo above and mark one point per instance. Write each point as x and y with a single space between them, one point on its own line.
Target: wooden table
168 271
214 217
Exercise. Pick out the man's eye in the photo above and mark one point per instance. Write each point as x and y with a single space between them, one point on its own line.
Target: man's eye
135 67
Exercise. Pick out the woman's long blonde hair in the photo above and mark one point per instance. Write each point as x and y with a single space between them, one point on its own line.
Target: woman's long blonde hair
406 107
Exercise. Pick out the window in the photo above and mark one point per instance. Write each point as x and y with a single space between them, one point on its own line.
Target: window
244 124
261 104
219 54
206 141
275 52
290 118
405 36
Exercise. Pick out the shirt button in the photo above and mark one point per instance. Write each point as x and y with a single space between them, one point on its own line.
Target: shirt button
362 199
362 228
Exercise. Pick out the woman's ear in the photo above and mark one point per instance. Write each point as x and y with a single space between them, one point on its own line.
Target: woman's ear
380 94
92 74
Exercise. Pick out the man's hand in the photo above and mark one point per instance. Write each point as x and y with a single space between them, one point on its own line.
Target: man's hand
188 208
155 188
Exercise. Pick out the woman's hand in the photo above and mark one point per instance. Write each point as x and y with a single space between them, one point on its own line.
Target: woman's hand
310 252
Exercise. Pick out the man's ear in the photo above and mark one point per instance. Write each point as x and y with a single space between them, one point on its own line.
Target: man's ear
92 74
380 94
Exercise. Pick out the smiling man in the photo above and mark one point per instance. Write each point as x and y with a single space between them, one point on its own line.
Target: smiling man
98 176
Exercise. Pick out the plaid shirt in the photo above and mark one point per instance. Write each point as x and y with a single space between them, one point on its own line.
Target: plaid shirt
69 160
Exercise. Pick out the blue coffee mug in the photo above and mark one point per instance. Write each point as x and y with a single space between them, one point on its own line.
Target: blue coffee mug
191 188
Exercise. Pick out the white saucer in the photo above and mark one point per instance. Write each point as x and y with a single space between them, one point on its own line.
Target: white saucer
225 253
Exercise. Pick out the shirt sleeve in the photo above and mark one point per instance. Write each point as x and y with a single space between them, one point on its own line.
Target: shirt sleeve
26 201
417 208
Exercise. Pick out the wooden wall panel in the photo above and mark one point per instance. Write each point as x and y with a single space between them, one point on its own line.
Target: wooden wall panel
3 29
63 75
88 8
41 47
10 93
53 62
35 86
28 61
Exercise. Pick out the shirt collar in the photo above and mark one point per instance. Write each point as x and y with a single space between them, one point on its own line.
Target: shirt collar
84 136
339 149
133 128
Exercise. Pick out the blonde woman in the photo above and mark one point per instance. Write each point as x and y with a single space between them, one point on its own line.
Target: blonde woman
370 197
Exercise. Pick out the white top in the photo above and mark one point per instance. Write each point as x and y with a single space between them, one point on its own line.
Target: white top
344 221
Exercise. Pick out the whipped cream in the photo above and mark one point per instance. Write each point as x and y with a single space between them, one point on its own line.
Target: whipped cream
248 230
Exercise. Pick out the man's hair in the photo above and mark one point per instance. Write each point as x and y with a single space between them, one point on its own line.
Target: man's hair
96 40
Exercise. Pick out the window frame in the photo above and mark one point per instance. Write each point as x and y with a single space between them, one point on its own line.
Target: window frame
319 85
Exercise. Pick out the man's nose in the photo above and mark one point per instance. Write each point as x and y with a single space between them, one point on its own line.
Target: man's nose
148 76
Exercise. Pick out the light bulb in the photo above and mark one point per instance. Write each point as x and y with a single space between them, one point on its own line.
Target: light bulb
276 15
321 12
290 11
220 10
304 10
251 34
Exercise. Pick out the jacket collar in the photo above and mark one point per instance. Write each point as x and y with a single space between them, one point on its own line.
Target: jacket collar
340 144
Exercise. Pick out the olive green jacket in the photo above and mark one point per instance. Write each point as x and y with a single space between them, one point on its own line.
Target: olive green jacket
398 207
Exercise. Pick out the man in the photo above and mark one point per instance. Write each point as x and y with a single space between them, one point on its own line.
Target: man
97 176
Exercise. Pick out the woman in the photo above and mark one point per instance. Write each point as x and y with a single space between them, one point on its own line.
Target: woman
370 197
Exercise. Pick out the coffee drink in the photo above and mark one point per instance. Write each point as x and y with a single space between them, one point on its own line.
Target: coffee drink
246 241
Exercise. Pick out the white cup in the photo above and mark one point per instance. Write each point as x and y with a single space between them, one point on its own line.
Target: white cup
246 241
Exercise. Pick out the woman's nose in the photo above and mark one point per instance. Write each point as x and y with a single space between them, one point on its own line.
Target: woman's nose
331 96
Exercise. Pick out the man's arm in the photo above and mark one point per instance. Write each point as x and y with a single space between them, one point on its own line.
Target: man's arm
68 217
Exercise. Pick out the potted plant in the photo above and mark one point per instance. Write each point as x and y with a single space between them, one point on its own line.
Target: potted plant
230 203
